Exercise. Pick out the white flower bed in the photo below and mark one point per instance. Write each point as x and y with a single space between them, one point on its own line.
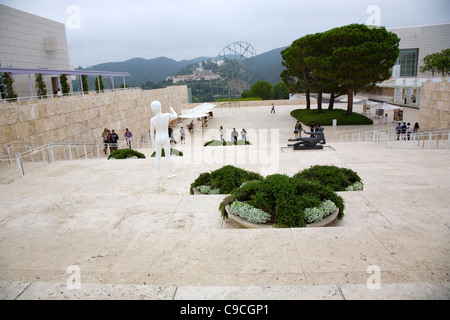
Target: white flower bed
208 190
357 186
314 215
249 213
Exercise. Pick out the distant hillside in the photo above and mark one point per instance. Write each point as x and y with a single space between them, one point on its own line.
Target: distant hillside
268 68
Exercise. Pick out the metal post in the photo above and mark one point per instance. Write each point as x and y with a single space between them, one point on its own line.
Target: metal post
31 153
20 166
50 150
31 87
81 81
9 153
70 152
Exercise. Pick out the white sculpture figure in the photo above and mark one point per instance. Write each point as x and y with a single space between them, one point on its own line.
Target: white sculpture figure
160 123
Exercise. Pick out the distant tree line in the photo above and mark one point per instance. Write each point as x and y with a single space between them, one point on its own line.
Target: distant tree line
437 62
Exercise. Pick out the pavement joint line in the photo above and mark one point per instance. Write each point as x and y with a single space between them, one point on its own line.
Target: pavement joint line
23 291
340 292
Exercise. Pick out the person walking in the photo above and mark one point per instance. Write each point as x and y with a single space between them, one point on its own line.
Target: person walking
113 139
128 135
408 130
273 109
398 129
221 134
244 136
234 135
183 136
298 129
105 137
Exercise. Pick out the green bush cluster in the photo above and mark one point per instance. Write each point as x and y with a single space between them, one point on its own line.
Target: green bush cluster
308 116
226 179
173 151
216 143
126 153
338 179
284 198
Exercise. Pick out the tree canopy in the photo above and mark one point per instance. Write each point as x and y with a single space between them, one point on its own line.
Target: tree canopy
437 62
342 60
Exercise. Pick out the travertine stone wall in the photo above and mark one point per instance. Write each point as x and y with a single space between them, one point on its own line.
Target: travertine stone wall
435 106
83 118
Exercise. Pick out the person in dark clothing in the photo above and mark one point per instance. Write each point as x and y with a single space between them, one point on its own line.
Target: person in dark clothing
114 137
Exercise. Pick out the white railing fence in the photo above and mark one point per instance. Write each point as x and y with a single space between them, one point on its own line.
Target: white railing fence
432 139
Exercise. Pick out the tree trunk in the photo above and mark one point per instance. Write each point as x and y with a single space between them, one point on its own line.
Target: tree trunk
331 105
308 99
350 101
319 101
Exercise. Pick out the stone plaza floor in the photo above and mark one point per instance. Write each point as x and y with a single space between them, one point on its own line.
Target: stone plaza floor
120 233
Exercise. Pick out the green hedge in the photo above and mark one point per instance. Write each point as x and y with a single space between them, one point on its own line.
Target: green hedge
174 152
226 179
307 116
126 153
338 179
284 198
215 143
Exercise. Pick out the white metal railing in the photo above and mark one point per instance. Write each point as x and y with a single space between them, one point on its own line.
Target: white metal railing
49 152
53 96
432 139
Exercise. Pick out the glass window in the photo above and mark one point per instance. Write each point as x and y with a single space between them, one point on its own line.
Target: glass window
408 60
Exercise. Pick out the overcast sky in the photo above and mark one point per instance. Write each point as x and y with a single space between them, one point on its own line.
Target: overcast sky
109 30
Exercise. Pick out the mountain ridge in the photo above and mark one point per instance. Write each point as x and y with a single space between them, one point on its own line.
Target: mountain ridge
267 67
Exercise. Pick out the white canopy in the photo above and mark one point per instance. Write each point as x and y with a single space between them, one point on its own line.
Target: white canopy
194 114
199 111
205 107
386 106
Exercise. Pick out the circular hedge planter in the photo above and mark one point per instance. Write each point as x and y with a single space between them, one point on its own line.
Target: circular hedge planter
250 225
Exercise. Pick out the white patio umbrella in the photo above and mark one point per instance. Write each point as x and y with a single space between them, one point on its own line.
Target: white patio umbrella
385 106
205 107
358 101
194 114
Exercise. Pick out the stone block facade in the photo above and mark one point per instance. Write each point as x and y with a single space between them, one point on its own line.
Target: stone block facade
435 106
82 118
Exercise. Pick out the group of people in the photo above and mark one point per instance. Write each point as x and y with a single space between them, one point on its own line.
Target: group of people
234 135
404 130
182 135
111 138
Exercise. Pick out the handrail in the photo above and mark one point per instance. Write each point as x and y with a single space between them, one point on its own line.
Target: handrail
402 140
48 152
53 96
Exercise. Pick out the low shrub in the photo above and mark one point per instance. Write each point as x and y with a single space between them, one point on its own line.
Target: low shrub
249 213
125 153
285 199
317 214
338 179
226 179
208 190
307 116
173 152
215 143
